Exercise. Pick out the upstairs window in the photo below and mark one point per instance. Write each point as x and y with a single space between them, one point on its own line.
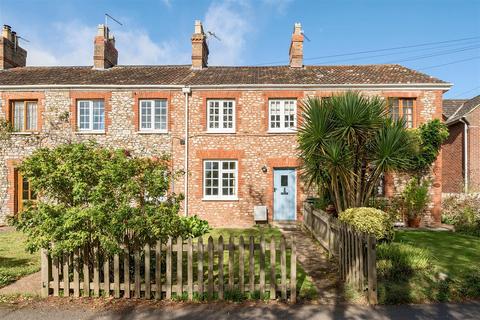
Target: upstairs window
91 115
24 116
221 116
402 108
220 179
282 115
153 115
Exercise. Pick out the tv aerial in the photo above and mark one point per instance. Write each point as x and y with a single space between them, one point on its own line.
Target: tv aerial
212 34
112 18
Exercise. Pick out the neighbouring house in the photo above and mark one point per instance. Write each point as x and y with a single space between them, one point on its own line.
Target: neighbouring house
231 129
461 151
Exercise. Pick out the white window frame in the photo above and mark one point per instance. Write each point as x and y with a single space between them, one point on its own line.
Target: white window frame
90 122
282 127
219 196
221 113
152 116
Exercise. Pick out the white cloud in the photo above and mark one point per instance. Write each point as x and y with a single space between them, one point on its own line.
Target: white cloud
280 5
72 44
229 21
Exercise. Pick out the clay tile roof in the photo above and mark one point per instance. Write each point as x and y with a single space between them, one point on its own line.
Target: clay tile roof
464 109
184 75
451 105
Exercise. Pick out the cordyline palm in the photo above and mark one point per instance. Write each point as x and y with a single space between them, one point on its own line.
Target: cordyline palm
347 142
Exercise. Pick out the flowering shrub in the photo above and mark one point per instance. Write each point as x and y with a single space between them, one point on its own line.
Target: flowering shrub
369 220
463 212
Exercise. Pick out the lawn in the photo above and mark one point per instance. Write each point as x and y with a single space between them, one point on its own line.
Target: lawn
14 261
429 266
306 288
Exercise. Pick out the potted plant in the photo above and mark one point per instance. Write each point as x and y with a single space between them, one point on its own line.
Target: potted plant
414 200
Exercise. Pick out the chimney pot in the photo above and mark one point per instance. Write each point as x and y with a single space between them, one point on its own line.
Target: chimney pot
199 47
296 47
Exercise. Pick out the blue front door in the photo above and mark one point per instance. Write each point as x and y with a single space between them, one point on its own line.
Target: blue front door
284 194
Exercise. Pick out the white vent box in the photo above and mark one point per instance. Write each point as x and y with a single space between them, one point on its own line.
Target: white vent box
260 213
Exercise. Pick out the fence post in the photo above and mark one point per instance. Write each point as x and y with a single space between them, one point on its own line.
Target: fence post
210 267
126 271
116 276
190 268
66 275
55 274
220 268
86 273
372 270
272 269
96 273
45 272
251 265
76 273
168 276
148 289
200 257
241 265
283 268
158 270
106 274
293 272
179 267
231 257
262 267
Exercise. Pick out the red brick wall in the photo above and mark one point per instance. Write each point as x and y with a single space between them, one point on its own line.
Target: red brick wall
452 152
474 150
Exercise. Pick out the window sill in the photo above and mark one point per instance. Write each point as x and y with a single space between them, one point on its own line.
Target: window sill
220 199
220 132
282 131
24 133
91 132
152 132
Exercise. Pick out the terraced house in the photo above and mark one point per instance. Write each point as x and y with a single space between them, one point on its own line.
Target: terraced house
231 129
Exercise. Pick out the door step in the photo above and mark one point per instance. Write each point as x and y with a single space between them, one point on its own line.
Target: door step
286 225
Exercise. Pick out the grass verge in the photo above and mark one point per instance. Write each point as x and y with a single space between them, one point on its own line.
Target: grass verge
428 266
15 262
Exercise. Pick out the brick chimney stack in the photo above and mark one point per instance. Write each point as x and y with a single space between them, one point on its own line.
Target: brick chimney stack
199 47
296 47
105 55
11 54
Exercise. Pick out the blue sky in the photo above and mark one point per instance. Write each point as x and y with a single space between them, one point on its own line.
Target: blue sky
256 32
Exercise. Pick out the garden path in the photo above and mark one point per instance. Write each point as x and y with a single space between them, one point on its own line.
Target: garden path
316 263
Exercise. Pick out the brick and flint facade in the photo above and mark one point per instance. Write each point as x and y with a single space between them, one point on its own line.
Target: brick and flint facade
186 92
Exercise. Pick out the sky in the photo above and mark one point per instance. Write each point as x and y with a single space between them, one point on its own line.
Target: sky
437 37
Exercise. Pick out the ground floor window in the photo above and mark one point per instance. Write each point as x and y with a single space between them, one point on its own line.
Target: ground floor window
24 193
220 179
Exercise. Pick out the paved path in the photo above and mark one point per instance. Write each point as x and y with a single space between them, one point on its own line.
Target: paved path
313 258
132 310
30 284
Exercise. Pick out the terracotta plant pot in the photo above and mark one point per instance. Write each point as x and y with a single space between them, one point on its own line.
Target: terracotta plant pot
414 222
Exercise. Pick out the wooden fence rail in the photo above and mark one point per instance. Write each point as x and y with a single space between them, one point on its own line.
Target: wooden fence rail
184 269
355 251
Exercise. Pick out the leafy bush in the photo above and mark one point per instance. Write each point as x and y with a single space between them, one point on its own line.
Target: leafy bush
414 198
194 227
464 213
432 135
92 196
369 220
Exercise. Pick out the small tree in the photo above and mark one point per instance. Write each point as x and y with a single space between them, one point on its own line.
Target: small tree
348 142
92 196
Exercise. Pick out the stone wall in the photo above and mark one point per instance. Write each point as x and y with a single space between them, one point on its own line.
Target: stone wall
252 145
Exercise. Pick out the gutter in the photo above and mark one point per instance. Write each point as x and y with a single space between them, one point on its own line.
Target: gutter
465 153
383 86
186 91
